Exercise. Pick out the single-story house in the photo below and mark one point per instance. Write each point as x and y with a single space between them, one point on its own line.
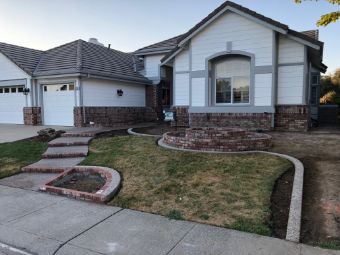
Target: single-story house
234 68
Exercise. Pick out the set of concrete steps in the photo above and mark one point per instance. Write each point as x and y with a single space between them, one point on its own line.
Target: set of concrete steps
67 151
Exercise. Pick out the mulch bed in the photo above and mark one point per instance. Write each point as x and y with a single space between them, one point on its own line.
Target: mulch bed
280 203
90 183
158 129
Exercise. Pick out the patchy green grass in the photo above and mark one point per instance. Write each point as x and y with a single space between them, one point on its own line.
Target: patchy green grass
332 244
15 155
225 190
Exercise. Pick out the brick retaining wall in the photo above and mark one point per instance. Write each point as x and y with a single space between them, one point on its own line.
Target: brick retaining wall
113 116
218 139
292 117
32 115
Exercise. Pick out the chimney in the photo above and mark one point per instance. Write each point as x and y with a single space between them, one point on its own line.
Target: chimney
95 41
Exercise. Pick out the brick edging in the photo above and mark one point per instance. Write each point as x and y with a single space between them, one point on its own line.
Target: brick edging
295 210
109 189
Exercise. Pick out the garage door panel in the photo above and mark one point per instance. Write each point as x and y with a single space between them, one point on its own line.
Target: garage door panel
58 105
11 106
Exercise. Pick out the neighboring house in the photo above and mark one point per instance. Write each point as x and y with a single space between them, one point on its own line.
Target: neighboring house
239 68
234 68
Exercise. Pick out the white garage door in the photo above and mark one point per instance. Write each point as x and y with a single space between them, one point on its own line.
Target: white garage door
58 103
12 102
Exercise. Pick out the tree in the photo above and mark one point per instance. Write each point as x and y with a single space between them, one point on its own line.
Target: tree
330 88
329 17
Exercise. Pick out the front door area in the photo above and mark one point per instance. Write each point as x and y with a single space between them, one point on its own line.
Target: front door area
58 104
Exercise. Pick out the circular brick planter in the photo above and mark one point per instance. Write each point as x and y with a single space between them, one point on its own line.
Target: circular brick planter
104 194
218 139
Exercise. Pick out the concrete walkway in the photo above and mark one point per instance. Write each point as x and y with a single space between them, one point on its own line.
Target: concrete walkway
39 223
12 132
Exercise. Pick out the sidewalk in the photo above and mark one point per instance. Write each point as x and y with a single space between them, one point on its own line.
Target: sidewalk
38 223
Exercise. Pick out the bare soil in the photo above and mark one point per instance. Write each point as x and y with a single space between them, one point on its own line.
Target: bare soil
280 203
158 129
90 183
320 154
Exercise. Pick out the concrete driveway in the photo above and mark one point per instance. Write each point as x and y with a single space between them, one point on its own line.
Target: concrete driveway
12 132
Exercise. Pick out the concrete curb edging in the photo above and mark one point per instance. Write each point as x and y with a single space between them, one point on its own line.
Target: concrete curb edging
131 132
294 218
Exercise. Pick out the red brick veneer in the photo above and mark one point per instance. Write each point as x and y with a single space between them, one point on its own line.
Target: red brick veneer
32 116
249 121
292 117
182 116
218 139
112 116
103 195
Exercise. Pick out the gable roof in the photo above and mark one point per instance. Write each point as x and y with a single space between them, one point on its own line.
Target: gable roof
162 46
77 57
309 38
25 58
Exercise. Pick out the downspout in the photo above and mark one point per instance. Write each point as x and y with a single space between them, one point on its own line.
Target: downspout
275 74
82 96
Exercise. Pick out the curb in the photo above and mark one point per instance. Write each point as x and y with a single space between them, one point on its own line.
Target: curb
131 132
294 218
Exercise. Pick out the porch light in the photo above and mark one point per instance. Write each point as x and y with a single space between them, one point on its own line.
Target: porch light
26 91
120 92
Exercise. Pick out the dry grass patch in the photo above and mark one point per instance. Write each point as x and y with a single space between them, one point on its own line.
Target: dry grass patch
225 190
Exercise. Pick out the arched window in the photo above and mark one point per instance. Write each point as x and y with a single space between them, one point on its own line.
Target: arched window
232 80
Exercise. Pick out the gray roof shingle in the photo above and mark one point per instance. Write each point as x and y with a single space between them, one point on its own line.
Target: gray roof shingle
25 58
165 45
77 57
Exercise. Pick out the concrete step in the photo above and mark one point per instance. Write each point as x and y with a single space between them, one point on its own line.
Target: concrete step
56 165
69 141
85 134
66 152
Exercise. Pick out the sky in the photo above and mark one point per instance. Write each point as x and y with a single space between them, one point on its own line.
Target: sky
131 24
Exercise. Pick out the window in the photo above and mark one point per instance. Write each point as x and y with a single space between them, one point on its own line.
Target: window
232 80
13 90
1 90
6 90
59 87
20 89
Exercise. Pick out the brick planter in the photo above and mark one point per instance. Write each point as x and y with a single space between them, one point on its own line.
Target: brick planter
218 139
103 195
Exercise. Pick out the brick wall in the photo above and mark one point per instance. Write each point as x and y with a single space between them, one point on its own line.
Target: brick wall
32 116
249 121
113 116
292 117
182 116
153 99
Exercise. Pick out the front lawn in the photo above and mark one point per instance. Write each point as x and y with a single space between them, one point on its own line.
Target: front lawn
15 155
225 190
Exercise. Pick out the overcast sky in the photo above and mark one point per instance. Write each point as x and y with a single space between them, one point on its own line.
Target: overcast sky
132 24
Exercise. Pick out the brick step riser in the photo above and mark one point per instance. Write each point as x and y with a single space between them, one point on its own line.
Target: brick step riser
73 155
68 144
77 135
42 170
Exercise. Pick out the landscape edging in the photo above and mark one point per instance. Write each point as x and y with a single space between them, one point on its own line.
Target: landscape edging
294 218
131 132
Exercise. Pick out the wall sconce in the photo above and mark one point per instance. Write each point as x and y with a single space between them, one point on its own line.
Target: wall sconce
120 92
26 91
